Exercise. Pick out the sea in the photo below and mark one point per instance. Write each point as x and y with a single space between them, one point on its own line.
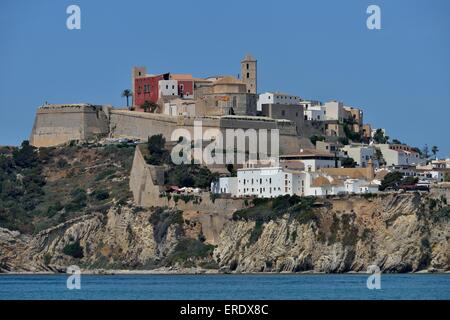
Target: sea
225 287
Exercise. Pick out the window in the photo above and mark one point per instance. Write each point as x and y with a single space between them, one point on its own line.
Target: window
173 87
282 112
247 66
248 75
167 86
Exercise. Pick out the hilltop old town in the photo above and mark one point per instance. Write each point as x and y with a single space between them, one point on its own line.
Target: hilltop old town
323 148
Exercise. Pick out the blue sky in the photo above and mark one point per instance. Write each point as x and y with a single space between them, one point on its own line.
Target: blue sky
399 75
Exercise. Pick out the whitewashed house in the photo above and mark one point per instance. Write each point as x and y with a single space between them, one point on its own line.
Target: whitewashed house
276 98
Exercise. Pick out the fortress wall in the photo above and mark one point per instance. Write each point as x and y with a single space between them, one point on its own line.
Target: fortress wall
57 124
144 184
141 125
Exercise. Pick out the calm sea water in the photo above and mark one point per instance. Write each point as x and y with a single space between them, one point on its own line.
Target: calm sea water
348 286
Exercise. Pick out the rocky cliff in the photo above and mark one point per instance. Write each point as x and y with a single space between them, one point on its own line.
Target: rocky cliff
398 232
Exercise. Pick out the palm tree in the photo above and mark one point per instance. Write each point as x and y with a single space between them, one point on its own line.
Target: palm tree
126 93
434 150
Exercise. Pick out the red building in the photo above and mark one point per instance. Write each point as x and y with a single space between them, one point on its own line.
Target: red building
185 85
147 88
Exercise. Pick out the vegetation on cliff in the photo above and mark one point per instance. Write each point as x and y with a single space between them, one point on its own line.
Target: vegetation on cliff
40 188
183 175
265 209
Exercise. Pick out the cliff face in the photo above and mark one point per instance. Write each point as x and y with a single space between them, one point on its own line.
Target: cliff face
399 233
396 232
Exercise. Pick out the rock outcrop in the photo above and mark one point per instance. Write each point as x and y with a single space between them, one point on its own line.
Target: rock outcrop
397 232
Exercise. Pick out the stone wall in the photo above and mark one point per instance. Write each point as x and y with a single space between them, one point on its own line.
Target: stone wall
57 124
146 182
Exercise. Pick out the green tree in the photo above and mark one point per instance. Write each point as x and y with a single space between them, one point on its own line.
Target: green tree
348 163
315 138
343 140
379 137
425 151
434 150
391 179
149 106
157 153
447 176
74 249
127 93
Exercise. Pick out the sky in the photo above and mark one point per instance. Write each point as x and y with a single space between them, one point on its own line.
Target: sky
321 50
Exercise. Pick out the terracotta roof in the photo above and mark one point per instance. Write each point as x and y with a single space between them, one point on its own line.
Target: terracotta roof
352 173
320 181
181 76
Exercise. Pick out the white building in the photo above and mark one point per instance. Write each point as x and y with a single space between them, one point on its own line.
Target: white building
315 112
276 98
274 181
396 155
266 182
168 88
314 160
361 154
225 185
334 111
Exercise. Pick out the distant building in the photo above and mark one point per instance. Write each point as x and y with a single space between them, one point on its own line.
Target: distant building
315 112
167 88
399 154
334 111
277 98
225 185
274 180
361 154
366 132
313 160
249 73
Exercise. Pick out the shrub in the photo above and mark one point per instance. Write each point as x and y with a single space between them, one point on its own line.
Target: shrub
348 163
256 232
315 138
74 250
62 163
188 248
391 179
157 154
264 209
100 195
